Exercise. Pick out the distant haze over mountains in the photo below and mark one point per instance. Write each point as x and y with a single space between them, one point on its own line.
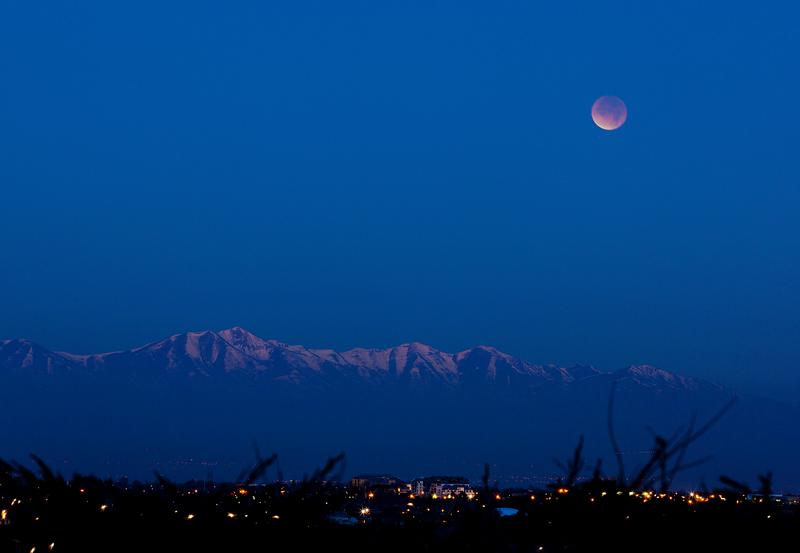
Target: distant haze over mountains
195 402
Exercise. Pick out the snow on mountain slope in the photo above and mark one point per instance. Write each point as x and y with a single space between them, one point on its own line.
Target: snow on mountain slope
653 377
406 361
24 355
237 351
278 357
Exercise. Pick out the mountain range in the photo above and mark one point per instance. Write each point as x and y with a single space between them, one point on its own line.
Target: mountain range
198 399
214 354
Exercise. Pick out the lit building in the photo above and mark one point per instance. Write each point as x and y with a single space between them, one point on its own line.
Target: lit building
451 489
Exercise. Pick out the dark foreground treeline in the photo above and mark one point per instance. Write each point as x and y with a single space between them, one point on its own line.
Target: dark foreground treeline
585 510
43 512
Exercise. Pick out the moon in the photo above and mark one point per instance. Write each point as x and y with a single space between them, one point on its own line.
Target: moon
609 113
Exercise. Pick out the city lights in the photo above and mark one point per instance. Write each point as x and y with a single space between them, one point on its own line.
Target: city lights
442 503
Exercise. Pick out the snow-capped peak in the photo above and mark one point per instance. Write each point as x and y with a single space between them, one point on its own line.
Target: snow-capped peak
235 349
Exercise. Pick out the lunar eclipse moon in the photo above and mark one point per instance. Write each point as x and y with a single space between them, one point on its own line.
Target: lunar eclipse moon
609 113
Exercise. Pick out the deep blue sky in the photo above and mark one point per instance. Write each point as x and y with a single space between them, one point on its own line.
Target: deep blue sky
367 173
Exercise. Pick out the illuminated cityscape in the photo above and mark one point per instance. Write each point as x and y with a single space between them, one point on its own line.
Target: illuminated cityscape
46 512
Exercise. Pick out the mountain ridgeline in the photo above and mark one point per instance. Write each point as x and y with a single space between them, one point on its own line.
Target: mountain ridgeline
237 352
195 402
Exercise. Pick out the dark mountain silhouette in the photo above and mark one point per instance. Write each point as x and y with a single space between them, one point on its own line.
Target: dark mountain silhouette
199 399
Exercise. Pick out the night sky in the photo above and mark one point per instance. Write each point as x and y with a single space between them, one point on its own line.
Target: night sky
343 174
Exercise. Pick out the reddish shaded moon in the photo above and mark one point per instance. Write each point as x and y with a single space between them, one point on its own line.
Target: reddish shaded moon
609 113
